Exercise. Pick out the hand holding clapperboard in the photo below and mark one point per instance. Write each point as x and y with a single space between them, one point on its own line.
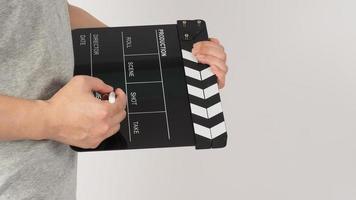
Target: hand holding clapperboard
172 99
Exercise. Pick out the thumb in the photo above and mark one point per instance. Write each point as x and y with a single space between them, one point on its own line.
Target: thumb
95 84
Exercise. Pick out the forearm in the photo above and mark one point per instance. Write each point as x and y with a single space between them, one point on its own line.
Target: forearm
22 119
79 18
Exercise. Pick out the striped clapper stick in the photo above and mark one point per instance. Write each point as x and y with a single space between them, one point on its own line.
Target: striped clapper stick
204 98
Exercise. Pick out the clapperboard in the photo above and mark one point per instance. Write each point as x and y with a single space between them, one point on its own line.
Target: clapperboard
172 99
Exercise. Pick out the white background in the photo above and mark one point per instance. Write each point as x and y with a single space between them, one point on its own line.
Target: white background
290 106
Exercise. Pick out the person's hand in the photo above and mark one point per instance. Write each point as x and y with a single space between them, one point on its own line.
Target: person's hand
213 54
77 118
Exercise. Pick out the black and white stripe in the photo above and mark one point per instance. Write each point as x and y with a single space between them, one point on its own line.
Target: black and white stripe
207 114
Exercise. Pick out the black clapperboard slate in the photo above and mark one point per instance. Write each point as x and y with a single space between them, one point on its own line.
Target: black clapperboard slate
172 99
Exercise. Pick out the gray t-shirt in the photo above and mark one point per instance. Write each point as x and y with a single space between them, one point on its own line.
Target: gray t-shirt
36 60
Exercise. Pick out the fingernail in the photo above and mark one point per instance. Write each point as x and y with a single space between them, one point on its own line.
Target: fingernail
196 44
112 97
